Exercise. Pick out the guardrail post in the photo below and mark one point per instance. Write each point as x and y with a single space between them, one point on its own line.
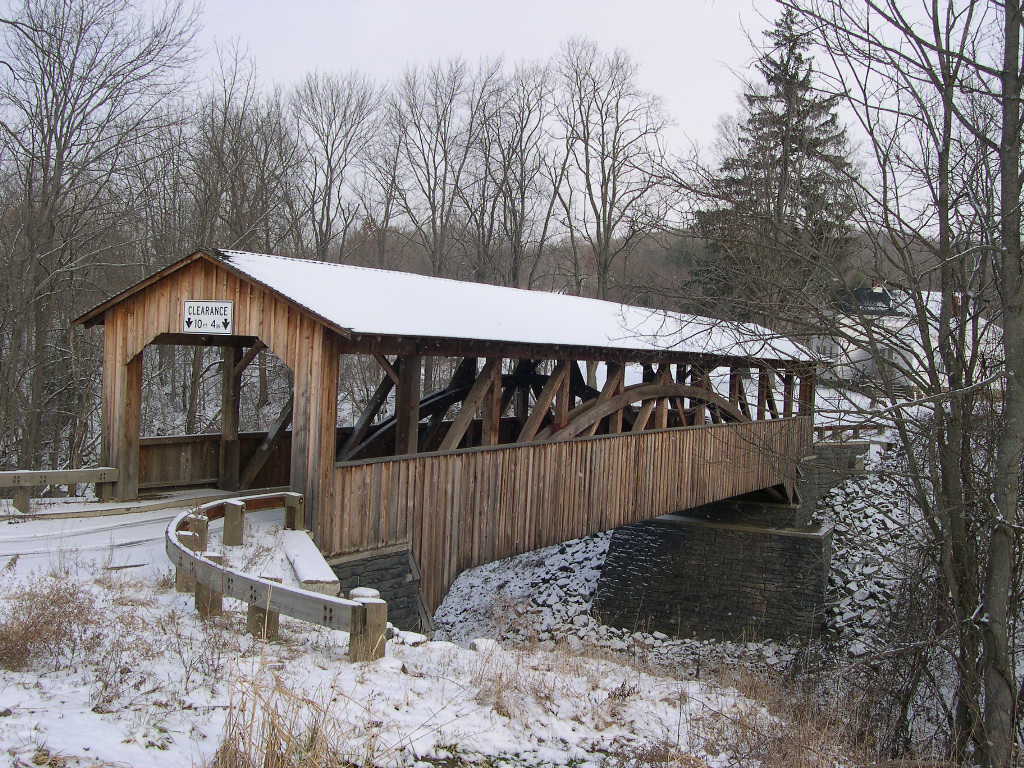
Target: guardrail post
234 522
294 512
199 525
366 640
183 581
22 498
209 602
260 622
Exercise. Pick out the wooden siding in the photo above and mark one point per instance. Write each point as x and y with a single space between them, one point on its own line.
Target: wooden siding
301 341
181 461
464 508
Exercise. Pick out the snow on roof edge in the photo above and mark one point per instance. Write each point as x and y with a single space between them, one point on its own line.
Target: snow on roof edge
428 306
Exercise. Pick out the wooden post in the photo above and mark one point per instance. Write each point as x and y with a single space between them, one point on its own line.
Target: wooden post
787 394
735 384
294 513
407 405
490 410
314 420
762 392
231 388
183 581
699 378
263 623
367 642
807 392
234 523
615 420
199 525
209 601
122 408
22 499
564 398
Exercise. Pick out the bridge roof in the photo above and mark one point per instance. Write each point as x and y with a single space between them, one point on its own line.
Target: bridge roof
360 301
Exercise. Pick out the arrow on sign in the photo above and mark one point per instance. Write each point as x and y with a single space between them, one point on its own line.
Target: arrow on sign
188 323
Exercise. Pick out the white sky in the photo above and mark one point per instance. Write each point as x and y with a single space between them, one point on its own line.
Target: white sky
690 52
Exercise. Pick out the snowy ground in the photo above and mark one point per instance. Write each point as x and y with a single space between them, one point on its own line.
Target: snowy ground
124 673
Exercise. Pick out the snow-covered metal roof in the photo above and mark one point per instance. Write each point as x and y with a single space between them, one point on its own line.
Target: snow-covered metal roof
382 302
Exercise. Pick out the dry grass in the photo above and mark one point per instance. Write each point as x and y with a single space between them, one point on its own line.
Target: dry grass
272 726
48 620
795 728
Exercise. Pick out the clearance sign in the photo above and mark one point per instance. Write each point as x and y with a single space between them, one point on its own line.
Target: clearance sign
208 317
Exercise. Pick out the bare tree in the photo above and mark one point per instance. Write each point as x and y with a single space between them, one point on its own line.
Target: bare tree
612 135
80 94
334 115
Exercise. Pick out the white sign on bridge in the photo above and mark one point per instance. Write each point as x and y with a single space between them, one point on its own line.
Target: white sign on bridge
208 317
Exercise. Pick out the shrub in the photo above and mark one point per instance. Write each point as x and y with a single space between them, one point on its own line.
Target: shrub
47 619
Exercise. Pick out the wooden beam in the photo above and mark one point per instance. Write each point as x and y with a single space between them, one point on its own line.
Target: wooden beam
266 446
644 416
373 407
407 405
762 393
492 408
615 420
661 406
614 373
807 386
231 390
389 369
787 394
564 399
767 376
248 357
483 384
540 407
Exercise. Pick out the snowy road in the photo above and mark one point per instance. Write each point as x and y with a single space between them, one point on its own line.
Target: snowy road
116 541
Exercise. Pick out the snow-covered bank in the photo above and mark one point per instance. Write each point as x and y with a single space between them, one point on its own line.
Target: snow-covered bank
115 668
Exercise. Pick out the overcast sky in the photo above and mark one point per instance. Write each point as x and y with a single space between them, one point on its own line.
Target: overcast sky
689 51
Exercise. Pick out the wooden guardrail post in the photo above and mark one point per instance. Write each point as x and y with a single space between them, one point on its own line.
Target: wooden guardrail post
261 622
22 498
367 642
234 522
209 601
199 525
294 512
183 581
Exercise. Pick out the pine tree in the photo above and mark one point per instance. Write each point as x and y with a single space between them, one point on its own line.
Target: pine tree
783 192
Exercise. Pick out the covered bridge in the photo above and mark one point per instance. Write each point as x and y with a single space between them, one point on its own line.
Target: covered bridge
515 452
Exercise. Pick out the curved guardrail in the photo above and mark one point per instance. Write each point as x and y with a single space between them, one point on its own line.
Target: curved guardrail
205 574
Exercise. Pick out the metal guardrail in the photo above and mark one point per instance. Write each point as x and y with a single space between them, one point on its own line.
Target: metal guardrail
204 573
23 480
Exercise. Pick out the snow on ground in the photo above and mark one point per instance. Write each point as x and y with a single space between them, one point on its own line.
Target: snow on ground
544 597
124 673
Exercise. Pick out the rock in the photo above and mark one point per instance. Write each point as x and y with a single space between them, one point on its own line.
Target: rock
484 645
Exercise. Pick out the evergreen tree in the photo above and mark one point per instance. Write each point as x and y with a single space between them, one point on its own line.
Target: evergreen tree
782 195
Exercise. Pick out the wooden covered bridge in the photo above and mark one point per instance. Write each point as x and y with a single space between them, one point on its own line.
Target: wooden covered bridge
514 453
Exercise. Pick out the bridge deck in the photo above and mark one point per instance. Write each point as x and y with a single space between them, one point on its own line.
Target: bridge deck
460 509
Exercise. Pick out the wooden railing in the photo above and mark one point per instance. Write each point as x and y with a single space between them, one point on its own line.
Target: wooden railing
23 481
205 574
843 432
460 509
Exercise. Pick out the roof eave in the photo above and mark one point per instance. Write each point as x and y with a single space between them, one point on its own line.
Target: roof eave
95 315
